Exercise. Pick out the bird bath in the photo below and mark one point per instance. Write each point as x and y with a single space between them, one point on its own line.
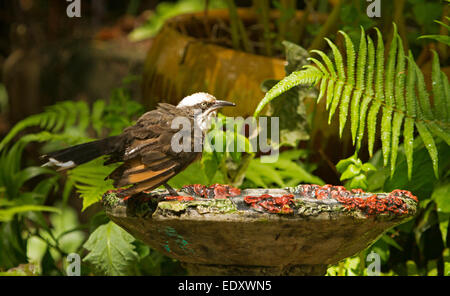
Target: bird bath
294 231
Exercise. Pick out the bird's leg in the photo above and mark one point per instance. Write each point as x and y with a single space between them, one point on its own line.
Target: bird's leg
172 191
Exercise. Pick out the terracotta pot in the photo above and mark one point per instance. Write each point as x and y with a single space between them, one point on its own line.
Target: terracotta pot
179 64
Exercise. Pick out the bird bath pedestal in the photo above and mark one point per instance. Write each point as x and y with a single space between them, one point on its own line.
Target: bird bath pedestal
220 230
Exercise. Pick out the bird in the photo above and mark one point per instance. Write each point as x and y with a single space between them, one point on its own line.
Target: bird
145 148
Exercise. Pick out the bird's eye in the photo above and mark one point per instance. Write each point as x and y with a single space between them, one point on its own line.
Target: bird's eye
203 105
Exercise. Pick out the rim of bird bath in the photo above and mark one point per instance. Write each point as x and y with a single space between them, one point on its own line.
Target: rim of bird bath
221 230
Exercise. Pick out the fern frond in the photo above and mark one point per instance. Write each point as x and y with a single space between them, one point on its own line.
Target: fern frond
331 74
438 89
355 105
368 93
46 136
89 180
368 86
408 132
386 119
399 102
309 76
343 111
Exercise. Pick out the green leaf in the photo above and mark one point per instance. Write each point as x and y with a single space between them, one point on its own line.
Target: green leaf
396 130
111 250
306 77
337 59
390 241
370 67
295 174
408 135
368 91
422 180
89 180
372 124
379 76
362 121
281 171
441 195
410 87
328 62
319 65
355 111
350 58
424 107
368 167
359 181
29 173
390 75
438 131
195 174
438 89
430 145
443 225
362 60
343 110
351 171
323 90
446 88
330 91
343 164
440 38
336 97
8 213
21 125
97 112
386 129
263 174
400 76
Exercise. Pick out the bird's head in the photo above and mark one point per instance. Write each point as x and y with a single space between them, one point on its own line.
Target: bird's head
205 105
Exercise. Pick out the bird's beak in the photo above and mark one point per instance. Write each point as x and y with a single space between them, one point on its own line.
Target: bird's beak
220 104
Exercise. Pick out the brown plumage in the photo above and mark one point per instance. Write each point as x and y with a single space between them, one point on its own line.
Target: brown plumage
149 160
145 148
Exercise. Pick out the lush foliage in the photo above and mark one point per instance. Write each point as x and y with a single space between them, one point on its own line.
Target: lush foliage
108 248
399 93
42 242
421 245
166 10
39 226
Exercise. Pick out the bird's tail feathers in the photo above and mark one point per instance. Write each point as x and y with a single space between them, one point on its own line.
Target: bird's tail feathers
73 156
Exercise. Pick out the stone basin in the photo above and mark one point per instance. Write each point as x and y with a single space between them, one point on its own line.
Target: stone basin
294 231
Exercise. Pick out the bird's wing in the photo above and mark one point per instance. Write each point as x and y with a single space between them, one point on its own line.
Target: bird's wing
149 160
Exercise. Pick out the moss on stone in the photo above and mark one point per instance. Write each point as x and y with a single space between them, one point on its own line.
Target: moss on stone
110 199
222 206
